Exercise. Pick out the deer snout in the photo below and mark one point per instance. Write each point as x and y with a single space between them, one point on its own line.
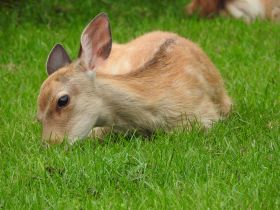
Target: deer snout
51 138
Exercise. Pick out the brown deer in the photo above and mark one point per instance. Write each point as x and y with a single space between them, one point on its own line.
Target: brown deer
157 81
248 10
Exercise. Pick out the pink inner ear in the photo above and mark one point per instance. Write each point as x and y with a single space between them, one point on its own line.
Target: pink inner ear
96 42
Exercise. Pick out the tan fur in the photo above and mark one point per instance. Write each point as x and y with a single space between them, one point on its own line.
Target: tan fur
272 8
248 10
165 85
205 8
127 57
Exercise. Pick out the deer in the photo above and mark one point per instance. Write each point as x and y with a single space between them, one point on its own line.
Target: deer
158 81
247 10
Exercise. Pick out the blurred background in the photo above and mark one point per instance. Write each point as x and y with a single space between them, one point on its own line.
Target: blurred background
56 13
66 19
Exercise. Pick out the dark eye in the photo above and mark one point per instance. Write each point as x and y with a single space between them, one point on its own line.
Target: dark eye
63 101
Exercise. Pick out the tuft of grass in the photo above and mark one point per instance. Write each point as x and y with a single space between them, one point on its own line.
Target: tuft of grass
236 165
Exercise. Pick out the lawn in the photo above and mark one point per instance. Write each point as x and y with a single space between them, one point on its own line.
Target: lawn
235 165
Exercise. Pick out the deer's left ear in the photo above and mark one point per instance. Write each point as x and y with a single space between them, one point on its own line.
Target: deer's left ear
96 42
57 58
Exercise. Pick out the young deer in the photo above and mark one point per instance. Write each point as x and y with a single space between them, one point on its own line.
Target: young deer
136 87
248 10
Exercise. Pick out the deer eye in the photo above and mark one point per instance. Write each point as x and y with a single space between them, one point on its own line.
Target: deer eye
63 101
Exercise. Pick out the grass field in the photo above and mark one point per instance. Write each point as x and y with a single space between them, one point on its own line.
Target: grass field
236 165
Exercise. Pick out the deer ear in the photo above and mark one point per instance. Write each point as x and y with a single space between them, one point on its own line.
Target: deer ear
57 58
96 42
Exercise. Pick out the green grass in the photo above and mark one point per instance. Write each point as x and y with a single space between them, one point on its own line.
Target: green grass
236 165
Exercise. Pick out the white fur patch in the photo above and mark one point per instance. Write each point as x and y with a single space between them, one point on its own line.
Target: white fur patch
84 118
82 127
246 9
91 73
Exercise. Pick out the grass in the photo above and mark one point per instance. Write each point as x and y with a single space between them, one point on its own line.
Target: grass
236 165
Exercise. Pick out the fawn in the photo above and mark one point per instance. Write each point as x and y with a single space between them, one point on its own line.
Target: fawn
248 10
157 81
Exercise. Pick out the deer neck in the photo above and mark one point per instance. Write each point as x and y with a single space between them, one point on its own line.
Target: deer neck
134 100
123 106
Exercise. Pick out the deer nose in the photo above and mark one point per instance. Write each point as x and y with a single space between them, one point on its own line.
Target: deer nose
51 139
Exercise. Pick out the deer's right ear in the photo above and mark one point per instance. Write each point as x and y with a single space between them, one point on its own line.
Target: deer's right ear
57 58
96 42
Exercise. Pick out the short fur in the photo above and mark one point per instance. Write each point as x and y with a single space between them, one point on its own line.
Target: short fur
159 80
205 8
248 10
